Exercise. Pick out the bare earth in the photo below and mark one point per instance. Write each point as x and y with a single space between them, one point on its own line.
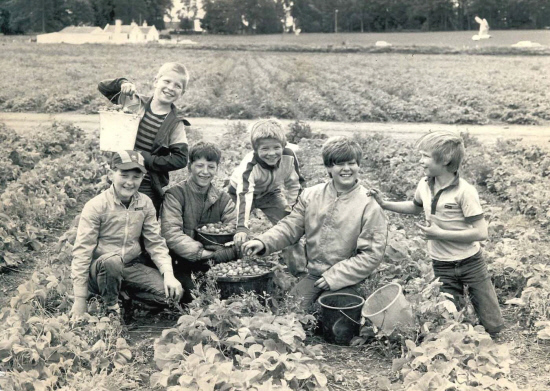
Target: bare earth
212 128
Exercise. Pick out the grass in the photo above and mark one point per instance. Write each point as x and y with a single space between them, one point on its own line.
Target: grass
296 85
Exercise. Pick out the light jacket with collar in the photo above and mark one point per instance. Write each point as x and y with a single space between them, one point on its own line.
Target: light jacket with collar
184 208
170 147
106 226
345 235
254 178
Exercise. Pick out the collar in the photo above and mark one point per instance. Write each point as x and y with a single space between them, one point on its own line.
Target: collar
333 188
431 182
212 194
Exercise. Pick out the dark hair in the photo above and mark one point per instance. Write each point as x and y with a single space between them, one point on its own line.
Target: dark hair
341 149
205 150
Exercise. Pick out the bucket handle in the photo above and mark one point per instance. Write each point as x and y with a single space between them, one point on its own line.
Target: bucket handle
353 320
136 95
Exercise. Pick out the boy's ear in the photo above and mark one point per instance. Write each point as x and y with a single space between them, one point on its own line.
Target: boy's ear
110 174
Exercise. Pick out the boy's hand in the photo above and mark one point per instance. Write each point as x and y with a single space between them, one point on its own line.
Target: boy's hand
430 232
321 283
240 238
80 306
172 287
252 247
128 88
375 193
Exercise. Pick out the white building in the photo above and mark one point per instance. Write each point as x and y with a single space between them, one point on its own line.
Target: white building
75 35
114 34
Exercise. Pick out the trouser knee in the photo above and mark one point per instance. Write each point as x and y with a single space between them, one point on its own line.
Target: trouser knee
111 265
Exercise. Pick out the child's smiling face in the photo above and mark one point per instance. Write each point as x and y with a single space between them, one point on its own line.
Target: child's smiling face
344 174
270 150
202 171
126 183
169 88
430 166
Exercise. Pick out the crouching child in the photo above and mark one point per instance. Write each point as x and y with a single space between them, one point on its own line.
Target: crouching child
345 230
189 204
107 250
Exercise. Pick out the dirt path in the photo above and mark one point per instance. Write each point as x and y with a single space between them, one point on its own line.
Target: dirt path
212 128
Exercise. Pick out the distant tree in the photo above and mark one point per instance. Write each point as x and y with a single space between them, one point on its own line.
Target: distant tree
222 17
80 12
36 15
186 24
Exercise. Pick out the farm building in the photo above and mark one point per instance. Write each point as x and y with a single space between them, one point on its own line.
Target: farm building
114 34
75 35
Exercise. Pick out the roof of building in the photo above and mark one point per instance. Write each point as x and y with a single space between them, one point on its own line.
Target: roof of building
145 29
79 29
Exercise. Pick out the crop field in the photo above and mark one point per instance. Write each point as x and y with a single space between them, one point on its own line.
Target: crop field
449 89
242 344
246 343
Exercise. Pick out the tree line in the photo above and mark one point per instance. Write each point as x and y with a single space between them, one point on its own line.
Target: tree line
268 16
26 16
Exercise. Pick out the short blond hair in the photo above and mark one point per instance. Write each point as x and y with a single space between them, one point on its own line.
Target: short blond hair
445 146
175 67
267 129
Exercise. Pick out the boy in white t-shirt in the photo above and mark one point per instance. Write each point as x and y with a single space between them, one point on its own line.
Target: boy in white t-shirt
455 225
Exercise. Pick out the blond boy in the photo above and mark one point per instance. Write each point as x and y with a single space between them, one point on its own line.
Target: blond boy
259 180
161 136
455 225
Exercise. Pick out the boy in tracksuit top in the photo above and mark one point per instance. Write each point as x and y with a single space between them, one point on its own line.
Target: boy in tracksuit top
259 179
107 250
161 136
345 229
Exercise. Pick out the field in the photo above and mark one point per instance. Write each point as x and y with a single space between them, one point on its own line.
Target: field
449 89
243 344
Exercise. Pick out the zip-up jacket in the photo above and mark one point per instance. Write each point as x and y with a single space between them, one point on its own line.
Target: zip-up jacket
345 235
184 208
170 147
106 226
253 178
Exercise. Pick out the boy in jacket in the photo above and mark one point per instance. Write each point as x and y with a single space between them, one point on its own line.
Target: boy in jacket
161 136
345 230
107 249
189 204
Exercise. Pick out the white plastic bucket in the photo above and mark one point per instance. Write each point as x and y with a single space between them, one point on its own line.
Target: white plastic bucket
387 307
117 130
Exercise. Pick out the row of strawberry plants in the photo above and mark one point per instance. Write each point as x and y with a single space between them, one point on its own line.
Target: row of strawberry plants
35 204
21 153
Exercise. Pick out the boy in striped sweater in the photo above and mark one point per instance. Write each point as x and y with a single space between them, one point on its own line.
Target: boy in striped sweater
259 179
161 137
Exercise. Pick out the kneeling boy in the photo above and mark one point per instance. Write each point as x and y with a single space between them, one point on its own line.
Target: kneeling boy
189 204
345 230
107 250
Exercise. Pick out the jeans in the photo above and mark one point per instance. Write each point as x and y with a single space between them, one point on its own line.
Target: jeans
109 274
307 293
183 269
472 272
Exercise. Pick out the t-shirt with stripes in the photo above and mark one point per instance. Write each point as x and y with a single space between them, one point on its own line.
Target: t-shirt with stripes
147 131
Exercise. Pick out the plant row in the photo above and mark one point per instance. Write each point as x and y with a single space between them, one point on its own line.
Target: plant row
37 202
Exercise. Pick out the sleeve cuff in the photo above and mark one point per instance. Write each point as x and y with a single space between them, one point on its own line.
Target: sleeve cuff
419 204
80 291
243 229
471 219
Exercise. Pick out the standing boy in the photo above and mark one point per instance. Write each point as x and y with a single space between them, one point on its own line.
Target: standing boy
345 230
190 204
161 136
107 249
259 179
455 225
